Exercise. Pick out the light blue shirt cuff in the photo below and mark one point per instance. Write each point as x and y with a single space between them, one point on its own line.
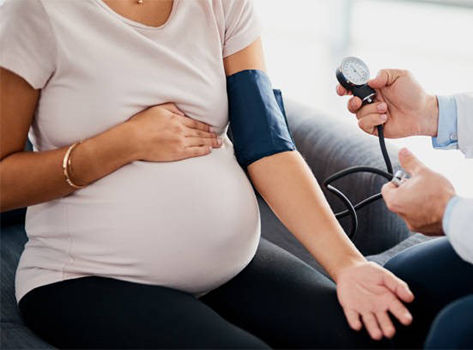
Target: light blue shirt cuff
448 213
447 136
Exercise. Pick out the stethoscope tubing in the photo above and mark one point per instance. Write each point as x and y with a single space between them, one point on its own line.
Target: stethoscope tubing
351 209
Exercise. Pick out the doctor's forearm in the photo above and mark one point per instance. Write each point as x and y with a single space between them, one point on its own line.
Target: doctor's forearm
287 184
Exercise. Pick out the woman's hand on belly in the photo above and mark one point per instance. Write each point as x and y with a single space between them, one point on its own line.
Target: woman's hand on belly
163 133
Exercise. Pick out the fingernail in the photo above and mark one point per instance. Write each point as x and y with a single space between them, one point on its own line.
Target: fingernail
383 117
219 140
212 129
382 107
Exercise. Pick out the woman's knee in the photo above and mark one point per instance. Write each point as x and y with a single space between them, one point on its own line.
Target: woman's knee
433 266
453 326
403 265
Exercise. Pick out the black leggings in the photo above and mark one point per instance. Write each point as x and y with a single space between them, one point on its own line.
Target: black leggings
276 301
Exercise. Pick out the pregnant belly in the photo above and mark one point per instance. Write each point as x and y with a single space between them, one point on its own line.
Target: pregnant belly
191 224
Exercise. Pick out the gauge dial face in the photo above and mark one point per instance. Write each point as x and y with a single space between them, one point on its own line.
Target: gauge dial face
355 71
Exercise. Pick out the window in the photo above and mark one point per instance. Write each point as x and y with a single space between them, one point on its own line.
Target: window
305 40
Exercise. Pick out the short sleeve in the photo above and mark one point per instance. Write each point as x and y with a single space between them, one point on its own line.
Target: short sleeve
27 42
242 26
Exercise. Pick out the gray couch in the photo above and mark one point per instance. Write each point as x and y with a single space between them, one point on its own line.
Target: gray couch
326 144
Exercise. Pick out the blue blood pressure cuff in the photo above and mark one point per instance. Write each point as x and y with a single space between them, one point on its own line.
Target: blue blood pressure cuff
258 122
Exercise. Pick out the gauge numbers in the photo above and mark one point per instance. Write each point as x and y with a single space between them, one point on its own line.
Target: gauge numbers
355 71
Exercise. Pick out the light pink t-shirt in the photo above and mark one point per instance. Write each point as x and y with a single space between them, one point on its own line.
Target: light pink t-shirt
191 224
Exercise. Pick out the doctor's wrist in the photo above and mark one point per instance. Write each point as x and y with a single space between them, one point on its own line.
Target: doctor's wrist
448 212
430 119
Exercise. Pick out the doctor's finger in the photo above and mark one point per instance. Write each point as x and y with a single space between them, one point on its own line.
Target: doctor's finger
370 122
386 77
388 190
341 91
373 108
354 104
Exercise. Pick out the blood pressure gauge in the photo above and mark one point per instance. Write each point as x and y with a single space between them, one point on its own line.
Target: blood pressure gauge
353 74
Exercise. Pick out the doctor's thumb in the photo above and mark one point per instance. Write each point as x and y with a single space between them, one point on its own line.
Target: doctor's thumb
385 77
409 161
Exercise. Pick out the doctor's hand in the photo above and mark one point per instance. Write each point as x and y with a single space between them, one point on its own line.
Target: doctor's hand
368 291
163 133
401 104
421 200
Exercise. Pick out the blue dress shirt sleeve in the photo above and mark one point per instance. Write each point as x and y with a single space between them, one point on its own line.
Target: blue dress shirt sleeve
447 135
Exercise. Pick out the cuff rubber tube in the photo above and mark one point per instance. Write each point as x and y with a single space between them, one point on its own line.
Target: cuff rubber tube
258 122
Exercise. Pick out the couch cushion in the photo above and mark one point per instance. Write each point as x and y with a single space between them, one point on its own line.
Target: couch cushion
15 336
13 241
12 217
16 216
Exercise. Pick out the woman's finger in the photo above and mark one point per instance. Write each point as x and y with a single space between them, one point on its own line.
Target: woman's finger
400 311
199 141
190 152
199 133
194 124
353 319
371 121
386 324
372 326
398 286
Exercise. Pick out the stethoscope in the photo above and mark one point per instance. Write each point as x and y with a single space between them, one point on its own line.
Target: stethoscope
353 74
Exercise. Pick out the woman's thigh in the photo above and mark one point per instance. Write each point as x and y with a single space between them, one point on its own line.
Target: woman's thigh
437 276
96 312
286 303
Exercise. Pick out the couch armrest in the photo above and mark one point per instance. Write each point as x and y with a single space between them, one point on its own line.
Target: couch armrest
329 145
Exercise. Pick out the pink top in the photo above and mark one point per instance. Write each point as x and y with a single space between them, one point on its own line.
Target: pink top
191 224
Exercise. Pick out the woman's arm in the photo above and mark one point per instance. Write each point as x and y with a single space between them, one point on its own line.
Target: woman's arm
160 133
295 197
29 178
298 201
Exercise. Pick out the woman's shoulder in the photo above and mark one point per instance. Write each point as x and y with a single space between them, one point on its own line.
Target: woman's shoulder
27 40
24 8
24 13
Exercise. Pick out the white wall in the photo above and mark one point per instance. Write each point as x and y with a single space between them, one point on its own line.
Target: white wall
305 40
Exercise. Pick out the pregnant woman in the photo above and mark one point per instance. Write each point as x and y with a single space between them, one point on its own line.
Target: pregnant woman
151 237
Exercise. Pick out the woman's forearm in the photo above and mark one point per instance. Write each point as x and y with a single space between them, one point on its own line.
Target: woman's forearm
28 178
287 184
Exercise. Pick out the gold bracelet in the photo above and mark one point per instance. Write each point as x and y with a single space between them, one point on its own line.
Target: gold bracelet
66 164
